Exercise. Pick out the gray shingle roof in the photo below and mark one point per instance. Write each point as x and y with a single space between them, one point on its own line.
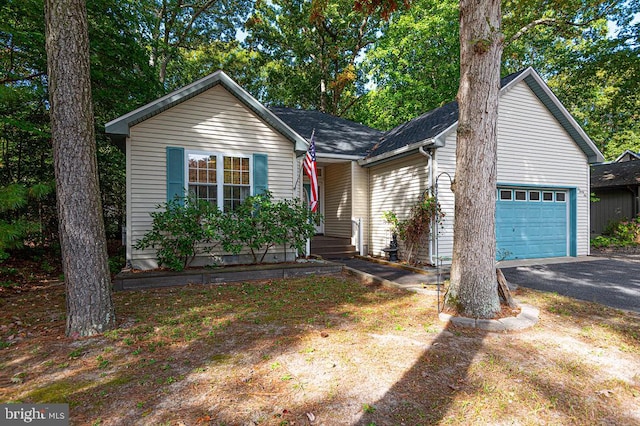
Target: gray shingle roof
609 175
426 126
333 135
422 128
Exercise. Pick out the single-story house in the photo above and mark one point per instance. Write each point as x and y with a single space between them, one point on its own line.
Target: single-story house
616 186
543 166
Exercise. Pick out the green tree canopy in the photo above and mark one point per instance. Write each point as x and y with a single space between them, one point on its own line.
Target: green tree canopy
315 50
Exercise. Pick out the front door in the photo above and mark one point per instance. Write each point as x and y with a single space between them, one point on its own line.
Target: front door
307 190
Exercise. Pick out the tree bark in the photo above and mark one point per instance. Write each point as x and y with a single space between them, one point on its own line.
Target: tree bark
82 236
473 274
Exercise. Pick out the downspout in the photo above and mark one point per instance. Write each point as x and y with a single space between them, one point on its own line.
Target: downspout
429 156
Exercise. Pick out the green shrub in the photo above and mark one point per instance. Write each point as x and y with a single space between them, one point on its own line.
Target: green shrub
259 224
185 228
601 241
624 233
182 229
415 230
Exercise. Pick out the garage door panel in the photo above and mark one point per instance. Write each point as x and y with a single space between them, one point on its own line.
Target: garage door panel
531 229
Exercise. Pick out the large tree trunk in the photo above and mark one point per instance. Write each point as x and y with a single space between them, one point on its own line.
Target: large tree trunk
82 236
473 274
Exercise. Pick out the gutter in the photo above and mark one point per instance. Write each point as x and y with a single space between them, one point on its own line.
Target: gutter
400 152
346 157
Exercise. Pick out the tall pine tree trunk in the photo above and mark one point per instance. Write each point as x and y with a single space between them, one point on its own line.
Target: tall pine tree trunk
82 236
473 274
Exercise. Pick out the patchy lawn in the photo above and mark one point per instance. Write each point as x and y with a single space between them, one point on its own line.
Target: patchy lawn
318 350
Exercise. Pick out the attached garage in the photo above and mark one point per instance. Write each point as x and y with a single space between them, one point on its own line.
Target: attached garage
542 174
534 223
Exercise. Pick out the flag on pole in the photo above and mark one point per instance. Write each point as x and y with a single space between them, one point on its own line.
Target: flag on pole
311 169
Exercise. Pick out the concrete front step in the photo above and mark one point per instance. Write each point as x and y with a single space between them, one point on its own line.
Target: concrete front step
332 247
336 255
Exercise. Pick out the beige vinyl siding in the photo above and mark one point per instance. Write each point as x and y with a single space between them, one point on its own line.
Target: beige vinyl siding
533 149
337 202
214 121
360 201
444 167
395 186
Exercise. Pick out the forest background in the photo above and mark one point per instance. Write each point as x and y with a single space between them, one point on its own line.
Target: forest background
319 54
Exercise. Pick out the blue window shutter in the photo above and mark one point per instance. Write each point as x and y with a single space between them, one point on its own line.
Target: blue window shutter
260 174
175 172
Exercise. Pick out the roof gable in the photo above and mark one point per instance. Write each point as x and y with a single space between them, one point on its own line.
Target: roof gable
431 129
119 127
627 155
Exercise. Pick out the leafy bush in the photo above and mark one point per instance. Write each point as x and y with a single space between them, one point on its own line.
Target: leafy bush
415 230
259 224
182 229
185 228
624 233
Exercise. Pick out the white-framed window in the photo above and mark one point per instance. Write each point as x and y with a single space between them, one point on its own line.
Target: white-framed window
222 179
561 197
547 196
505 195
236 182
520 195
534 195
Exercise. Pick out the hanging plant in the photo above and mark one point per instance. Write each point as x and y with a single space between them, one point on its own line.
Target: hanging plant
415 231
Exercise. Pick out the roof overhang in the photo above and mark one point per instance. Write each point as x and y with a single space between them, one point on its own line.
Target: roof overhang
118 129
401 152
339 157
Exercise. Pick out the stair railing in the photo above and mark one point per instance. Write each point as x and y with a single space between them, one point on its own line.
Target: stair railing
357 222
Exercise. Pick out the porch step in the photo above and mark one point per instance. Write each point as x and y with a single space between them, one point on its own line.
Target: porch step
332 247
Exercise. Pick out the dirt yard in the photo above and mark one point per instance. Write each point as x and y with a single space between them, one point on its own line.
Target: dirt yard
318 351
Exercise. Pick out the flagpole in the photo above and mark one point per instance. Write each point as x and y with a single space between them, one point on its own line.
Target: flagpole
310 167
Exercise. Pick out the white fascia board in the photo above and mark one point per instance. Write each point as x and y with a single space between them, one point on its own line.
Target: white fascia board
347 157
121 125
565 113
367 162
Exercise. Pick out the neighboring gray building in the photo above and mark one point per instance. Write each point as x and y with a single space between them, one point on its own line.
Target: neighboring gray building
616 185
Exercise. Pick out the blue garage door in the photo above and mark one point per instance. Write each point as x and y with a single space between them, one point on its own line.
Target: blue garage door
531 223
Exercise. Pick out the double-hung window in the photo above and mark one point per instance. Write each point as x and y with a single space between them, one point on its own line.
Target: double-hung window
223 180
203 176
236 185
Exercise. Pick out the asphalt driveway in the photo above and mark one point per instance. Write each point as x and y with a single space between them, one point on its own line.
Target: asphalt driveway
611 282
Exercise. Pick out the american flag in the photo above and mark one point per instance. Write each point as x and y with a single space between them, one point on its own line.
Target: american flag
310 168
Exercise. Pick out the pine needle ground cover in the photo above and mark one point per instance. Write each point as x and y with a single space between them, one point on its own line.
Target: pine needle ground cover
318 350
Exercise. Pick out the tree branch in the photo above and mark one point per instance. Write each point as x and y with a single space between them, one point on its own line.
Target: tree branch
16 79
553 22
